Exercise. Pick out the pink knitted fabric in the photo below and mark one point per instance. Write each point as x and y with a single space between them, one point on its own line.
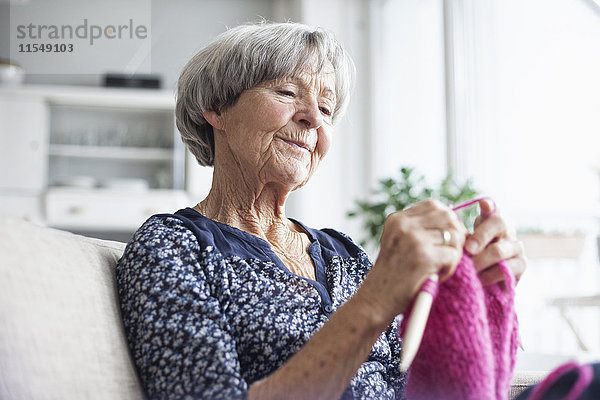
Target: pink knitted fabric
470 342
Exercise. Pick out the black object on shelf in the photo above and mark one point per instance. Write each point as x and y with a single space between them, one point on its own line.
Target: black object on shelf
132 81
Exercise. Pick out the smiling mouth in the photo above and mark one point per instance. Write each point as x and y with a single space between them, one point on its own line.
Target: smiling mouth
299 145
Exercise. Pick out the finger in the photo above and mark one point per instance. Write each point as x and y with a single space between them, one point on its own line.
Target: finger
456 237
430 227
496 252
448 257
425 206
487 207
492 275
489 229
495 274
441 219
517 265
445 264
478 221
434 215
511 232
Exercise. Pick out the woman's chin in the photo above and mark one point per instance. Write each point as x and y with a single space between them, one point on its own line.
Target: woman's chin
292 179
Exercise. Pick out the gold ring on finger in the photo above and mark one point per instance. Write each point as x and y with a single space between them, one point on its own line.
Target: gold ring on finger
446 237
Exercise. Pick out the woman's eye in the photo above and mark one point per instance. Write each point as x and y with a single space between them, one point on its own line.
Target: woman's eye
288 93
325 111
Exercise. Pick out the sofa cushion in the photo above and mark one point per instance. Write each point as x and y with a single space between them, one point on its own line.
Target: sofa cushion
61 335
522 380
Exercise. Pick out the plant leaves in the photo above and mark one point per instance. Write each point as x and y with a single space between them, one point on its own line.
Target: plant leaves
397 193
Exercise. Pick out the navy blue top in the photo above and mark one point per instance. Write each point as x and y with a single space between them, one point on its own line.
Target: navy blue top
209 309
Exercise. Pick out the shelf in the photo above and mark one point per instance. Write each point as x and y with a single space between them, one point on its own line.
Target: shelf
114 153
117 148
90 96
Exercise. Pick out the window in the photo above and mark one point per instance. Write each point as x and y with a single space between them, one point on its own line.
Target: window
508 93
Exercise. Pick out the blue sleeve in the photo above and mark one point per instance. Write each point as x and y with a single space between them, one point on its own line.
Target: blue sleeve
177 334
396 378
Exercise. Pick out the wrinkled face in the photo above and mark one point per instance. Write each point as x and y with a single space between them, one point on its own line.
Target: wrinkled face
280 130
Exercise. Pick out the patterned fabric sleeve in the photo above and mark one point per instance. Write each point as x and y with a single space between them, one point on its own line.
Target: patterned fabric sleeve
396 378
177 334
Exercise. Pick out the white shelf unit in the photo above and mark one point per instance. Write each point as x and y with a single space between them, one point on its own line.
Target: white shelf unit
90 159
110 153
104 143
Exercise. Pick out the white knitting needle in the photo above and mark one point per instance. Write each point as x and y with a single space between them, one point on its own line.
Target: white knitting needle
415 326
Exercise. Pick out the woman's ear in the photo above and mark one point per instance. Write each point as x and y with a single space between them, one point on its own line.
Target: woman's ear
214 118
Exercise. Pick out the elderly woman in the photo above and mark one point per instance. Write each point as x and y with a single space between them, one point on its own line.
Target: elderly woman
231 298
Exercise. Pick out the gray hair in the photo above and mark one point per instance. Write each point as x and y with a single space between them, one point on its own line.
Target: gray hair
243 57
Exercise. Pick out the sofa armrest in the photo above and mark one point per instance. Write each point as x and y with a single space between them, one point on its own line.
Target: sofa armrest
61 335
524 379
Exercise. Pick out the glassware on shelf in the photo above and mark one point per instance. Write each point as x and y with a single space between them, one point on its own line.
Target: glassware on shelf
90 136
81 181
162 178
125 184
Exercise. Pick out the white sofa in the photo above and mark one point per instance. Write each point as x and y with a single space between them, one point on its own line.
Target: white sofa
61 335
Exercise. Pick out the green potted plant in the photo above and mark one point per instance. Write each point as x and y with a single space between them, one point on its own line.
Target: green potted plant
397 193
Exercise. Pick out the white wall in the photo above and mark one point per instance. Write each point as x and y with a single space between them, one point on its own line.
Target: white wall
182 27
178 29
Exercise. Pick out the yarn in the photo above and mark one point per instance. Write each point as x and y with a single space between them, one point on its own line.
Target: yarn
430 286
469 346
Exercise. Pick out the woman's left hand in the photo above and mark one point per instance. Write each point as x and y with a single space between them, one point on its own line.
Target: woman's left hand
492 241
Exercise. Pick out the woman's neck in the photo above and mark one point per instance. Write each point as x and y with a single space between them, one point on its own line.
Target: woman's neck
259 210
248 205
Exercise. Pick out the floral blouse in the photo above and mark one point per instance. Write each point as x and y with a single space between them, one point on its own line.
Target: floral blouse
209 309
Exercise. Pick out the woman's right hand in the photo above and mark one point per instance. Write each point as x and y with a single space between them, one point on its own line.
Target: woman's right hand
412 249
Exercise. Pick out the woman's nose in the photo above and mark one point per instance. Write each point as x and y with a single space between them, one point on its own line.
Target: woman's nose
309 115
